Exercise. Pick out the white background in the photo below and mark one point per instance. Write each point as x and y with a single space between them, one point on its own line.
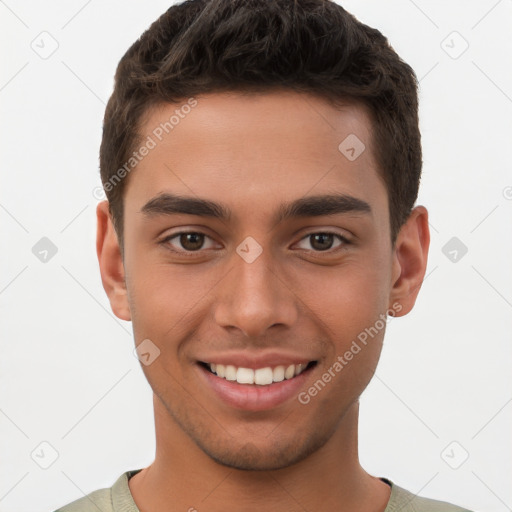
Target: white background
67 372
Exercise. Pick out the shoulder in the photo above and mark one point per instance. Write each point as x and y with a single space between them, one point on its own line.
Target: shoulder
97 500
112 499
405 501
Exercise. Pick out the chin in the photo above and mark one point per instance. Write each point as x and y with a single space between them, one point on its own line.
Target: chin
266 457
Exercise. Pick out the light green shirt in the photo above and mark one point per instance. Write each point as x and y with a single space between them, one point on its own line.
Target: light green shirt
118 498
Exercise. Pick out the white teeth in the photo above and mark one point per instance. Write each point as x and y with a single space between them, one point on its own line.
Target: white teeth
245 376
260 376
299 368
221 371
289 372
230 372
278 374
263 376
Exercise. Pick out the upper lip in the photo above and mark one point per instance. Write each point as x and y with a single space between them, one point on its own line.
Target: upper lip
256 360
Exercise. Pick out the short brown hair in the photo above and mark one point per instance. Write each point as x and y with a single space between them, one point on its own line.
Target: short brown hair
312 46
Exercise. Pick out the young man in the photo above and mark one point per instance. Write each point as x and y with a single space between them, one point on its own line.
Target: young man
261 162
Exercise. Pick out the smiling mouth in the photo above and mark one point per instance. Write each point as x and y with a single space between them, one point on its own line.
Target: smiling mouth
258 376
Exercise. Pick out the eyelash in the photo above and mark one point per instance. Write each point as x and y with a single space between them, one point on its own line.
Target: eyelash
341 238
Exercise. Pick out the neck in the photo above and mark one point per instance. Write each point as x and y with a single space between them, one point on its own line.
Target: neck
330 478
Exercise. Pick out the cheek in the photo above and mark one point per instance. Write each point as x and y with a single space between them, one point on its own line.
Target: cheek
352 310
348 298
166 302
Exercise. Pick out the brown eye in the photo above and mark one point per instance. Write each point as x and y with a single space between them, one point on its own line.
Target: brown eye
187 242
323 241
191 241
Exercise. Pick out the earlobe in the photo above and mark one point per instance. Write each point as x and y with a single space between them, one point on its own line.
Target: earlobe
410 260
111 263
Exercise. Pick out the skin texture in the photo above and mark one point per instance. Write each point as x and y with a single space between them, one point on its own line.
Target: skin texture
251 153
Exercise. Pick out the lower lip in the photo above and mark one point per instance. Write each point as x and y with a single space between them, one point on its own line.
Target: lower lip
253 397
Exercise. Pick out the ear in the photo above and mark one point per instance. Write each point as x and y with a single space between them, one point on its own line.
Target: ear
111 263
410 261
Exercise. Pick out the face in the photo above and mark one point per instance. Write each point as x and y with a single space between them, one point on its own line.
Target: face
253 245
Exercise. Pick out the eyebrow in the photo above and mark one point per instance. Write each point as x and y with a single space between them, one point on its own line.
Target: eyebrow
310 206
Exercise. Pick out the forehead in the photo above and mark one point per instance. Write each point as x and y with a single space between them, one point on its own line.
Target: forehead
256 149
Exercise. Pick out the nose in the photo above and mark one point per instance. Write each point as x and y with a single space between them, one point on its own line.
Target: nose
255 296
